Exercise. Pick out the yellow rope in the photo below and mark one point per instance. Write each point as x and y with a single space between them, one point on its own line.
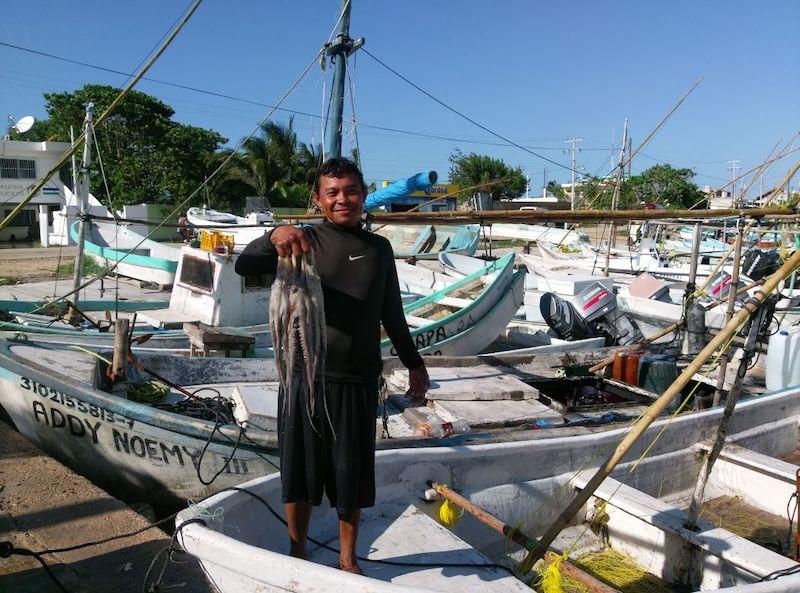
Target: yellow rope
620 571
449 513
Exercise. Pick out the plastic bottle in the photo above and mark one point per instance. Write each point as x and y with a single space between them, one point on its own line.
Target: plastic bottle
783 358
436 428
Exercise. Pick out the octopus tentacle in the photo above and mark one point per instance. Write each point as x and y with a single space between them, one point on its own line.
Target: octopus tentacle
297 322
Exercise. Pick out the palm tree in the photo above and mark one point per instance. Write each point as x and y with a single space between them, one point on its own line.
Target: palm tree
268 159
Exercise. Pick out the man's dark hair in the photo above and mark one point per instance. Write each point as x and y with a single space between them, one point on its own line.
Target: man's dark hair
339 167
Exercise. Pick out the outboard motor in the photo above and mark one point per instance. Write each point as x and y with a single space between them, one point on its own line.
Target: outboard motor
591 313
758 263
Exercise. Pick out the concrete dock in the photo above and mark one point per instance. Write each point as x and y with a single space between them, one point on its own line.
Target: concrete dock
44 505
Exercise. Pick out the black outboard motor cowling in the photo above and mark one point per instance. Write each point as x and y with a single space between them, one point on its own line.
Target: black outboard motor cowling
758 264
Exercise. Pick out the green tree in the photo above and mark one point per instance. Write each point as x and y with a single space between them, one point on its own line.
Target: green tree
276 166
661 184
146 155
473 169
556 189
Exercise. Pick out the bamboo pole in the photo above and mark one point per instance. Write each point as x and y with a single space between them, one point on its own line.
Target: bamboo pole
536 216
659 406
518 537
747 227
607 361
693 574
38 185
723 361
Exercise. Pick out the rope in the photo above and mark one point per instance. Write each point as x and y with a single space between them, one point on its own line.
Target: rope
35 187
114 266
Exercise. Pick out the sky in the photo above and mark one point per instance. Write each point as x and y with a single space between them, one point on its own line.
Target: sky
537 73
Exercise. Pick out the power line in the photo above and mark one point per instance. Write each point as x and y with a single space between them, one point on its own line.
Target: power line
463 116
285 109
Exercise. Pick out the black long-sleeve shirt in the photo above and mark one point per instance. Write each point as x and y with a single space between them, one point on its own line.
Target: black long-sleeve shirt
359 283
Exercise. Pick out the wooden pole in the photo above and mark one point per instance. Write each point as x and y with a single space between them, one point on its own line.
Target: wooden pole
39 184
612 235
723 361
120 358
659 406
542 216
749 225
694 572
607 361
518 537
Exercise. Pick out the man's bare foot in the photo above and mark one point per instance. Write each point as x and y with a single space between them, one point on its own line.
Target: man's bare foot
297 551
350 567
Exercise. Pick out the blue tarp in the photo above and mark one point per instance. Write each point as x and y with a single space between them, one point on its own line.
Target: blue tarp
400 188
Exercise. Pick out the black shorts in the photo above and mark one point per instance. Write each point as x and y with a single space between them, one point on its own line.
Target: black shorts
315 459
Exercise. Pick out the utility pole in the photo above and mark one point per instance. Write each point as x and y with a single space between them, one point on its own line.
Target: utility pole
612 235
733 168
574 149
81 190
338 51
630 152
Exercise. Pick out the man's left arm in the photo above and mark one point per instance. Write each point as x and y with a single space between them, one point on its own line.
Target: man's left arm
394 322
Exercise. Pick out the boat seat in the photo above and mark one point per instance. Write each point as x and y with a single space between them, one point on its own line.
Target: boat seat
455 302
713 540
416 321
406 534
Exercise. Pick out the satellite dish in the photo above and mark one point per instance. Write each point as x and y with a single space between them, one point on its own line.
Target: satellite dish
24 124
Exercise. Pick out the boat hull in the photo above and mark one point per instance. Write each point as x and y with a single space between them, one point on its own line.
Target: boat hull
121 445
501 478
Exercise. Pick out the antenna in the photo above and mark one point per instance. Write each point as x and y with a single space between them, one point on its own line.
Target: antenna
24 124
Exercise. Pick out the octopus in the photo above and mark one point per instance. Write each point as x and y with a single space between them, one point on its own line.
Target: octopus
297 322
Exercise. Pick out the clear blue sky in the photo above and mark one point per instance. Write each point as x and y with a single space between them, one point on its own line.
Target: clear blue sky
536 72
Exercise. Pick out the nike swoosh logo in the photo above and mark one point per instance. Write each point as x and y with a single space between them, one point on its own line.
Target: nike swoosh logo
355 257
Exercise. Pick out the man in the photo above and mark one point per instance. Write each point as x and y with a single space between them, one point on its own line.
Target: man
359 283
183 227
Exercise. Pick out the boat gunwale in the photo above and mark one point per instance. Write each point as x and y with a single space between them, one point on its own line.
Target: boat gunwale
170 421
111 254
203 535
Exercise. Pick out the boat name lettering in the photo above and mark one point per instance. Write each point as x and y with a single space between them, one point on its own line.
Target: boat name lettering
72 402
156 452
55 418
162 454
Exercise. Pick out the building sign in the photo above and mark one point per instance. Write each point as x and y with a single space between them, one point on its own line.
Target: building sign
10 189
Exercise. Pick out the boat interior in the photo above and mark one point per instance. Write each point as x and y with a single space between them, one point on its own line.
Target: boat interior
632 533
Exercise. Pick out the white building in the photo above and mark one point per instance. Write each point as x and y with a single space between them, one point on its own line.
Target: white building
21 164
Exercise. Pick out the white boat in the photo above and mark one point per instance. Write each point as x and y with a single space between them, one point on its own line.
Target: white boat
467 315
632 264
404 549
457 265
427 242
243 228
60 399
135 256
533 233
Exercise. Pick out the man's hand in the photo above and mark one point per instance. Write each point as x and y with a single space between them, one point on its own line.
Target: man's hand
289 240
418 384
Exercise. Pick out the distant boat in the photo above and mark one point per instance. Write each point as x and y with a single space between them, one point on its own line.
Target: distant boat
427 242
136 256
243 228
533 233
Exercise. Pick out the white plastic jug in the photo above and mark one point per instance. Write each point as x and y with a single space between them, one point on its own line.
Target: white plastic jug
783 359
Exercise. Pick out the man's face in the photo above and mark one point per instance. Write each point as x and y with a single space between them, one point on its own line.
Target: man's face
341 199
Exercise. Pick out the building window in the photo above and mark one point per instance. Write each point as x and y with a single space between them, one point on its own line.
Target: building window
17 169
